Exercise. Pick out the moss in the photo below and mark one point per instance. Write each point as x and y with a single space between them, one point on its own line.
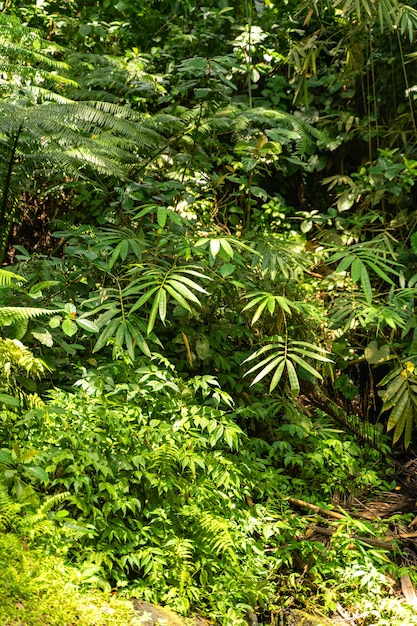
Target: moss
39 590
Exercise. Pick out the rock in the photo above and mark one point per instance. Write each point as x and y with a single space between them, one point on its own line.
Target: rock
153 615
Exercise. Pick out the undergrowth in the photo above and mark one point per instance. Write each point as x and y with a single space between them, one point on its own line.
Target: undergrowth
40 590
147 483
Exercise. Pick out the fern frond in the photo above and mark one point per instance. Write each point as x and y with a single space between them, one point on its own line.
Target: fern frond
7 278
110 78
304 133
40 125
13 314
26 60
217 534
9 508
34 519
166 458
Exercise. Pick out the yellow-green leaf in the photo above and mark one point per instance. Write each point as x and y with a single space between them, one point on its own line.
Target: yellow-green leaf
277 375
292 378
226 247
366 285
162 304
152 314
214 247
399 409
259 311
69 327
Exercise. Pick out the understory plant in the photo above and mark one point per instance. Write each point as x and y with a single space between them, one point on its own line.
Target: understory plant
164 495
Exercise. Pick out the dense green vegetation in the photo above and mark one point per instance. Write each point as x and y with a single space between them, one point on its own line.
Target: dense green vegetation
208 343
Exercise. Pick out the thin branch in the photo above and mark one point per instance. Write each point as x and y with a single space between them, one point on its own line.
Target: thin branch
316 509
386 544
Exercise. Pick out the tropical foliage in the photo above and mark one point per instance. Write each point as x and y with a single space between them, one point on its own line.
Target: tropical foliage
207 305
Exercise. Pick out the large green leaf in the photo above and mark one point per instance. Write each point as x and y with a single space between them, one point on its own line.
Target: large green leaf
9 400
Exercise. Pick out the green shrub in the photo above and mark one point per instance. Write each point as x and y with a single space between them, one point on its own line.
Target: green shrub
171 499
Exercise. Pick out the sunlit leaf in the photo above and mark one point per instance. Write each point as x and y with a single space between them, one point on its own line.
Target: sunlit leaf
227 248
292 378
187 281
214 247
87 325
177 296
153 313
45 338
69 327
162 308
277 375
267 368
179 287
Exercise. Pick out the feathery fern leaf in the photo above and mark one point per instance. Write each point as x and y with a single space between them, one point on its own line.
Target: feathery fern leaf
37 523
7 279
9 508
14 357
217 534
13 314
43 131
303 134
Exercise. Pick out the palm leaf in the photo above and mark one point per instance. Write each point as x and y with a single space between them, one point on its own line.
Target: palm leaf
292 378
178 287
284 356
